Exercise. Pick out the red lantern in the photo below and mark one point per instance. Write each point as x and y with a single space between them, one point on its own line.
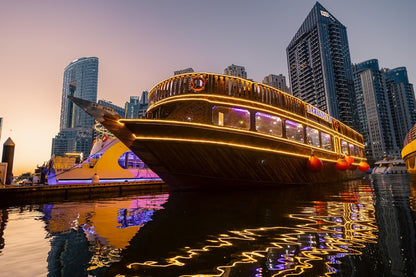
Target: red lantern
363 166
349 159
342 164
314 164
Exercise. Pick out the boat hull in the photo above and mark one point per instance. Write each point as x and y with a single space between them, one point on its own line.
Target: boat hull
192 165
189 155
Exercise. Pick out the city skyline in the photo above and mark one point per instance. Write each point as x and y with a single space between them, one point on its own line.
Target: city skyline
141 43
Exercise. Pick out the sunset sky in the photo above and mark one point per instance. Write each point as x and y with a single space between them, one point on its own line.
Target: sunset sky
141 42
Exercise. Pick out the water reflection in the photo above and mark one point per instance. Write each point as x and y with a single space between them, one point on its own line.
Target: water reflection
396 217
361 228
106 227
286 232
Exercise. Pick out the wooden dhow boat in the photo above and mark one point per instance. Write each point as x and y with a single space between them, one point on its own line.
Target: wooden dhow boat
205 130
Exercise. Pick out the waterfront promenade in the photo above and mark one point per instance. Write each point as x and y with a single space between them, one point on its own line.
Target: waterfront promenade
84 191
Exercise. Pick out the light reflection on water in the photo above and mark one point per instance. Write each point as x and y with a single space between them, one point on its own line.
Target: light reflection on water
361 228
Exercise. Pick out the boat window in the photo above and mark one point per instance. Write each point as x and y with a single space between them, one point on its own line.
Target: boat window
344 147
268 124
231 117
294 131
351 148
326 141
312 136
356 151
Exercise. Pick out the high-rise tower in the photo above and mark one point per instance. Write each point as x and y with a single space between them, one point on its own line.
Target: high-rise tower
80 80
236 70
75 130
373 110
402 102
319 65
277 81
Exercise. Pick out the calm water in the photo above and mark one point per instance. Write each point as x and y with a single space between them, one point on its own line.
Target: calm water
360 228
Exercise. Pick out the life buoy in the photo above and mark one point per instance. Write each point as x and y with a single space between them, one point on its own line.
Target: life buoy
198 83
336 125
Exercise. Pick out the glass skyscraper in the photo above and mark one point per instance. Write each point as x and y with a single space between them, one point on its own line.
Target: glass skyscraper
75 130
402 102
80 80
137 107
319 65
373 109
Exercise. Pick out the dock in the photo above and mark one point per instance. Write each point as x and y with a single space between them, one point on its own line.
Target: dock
12 195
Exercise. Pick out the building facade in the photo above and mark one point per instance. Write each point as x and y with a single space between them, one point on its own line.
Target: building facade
143 104
276 81
73 140
80 80
182 71
121 111
75 130
132 107
402 102
373 110
319 65
236 70
137 106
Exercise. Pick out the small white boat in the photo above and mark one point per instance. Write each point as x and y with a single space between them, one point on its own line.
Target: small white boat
397 166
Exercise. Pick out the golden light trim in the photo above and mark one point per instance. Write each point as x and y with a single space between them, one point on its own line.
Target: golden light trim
200 97
243 81
227 144
230 144
221 75
209 126
279 111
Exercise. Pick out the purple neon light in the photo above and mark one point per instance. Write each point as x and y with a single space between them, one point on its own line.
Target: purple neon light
267 116
240 110
88 181
292 124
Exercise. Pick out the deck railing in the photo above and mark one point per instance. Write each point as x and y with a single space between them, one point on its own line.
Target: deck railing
232 86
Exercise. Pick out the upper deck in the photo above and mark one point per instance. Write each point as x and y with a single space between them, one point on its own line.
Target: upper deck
237 88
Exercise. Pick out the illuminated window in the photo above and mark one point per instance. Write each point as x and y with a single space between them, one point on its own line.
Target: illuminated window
268 124
344 147
351 148
356 151
326 141
294 131
231 117
312 136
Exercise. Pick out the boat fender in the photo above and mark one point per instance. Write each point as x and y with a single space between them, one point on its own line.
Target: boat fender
342 164
314 164
363 166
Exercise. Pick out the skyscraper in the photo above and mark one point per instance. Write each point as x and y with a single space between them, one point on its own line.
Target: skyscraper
132 107
137 106
402 102
373 110
75 130
143 103
276 81
80 80
236 70
319 64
